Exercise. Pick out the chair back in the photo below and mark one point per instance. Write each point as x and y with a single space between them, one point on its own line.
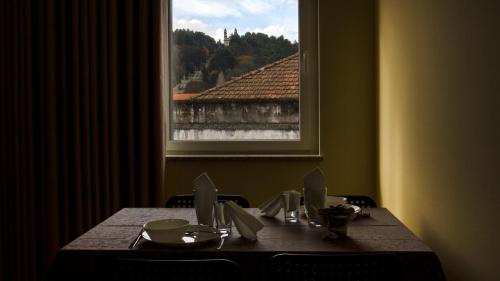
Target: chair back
362 201
187 200
172 270
341 267
180 201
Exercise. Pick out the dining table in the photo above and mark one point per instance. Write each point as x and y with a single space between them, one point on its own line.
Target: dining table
380 232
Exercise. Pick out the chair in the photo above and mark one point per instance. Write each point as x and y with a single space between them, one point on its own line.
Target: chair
341 267
187 200
171 270
362 201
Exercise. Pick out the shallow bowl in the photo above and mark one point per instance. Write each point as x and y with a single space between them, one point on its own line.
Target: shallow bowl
166 229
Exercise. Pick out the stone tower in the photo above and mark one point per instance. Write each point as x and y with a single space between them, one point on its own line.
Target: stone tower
226 39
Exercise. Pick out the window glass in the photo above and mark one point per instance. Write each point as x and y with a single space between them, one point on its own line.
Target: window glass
234 70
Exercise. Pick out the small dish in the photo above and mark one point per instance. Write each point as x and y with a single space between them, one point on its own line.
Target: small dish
194 235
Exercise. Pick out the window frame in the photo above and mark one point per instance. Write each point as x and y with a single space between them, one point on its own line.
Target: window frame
307 146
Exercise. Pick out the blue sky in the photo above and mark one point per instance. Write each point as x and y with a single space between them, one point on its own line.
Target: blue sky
272 17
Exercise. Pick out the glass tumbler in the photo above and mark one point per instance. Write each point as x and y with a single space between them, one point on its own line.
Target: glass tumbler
314 200
291 206
223 219
336 220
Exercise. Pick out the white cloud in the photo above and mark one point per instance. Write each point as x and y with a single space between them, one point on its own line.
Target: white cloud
198 25
192 24
218 34
272 17
277 30
206 8
256 6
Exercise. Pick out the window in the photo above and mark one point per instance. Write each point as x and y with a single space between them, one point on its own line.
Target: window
241 77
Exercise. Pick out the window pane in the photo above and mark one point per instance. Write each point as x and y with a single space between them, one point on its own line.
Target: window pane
234 68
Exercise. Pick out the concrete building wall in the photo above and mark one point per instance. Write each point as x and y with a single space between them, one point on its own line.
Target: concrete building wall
236 134
279 115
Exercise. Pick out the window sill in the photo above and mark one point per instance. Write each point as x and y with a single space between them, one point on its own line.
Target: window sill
246 157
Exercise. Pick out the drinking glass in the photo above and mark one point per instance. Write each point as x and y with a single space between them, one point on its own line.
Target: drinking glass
336 220
313 201
291 203
223 220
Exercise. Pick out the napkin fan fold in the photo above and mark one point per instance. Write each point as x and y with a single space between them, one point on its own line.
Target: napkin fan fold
206 206
247 225
286 200
314 192
205 195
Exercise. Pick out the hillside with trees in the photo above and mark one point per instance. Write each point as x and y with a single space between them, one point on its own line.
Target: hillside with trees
195 51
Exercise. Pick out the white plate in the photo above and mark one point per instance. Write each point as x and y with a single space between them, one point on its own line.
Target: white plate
195 235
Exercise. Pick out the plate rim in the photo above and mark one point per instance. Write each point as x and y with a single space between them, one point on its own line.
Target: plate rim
184 244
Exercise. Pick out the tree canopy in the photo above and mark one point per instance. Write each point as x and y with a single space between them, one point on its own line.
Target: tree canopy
195 51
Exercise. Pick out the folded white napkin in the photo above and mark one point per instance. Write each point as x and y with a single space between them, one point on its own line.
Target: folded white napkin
247 225
205 195
314 192
272 206
288 200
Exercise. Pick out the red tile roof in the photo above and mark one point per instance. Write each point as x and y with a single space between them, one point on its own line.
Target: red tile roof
275 81
185 96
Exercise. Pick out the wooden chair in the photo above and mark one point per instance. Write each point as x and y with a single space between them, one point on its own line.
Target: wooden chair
187 200
342 267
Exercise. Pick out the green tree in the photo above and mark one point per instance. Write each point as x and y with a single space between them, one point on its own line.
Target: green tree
222 60
265 49
190 52
194 38
193 50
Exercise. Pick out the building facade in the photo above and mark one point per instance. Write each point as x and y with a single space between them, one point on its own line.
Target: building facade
262 104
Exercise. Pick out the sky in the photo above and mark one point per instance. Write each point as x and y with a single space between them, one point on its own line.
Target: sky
272 17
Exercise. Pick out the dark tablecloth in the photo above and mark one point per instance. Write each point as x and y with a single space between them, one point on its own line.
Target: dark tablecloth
379 233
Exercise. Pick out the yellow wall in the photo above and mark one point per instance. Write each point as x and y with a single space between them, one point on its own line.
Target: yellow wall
348 126
438 133
439 87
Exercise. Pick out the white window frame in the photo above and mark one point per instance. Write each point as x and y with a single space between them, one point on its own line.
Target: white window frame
307 146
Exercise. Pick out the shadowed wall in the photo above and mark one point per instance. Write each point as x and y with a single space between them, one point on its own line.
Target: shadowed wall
440 127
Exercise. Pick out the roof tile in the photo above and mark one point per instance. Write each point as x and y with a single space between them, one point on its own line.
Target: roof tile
275 81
